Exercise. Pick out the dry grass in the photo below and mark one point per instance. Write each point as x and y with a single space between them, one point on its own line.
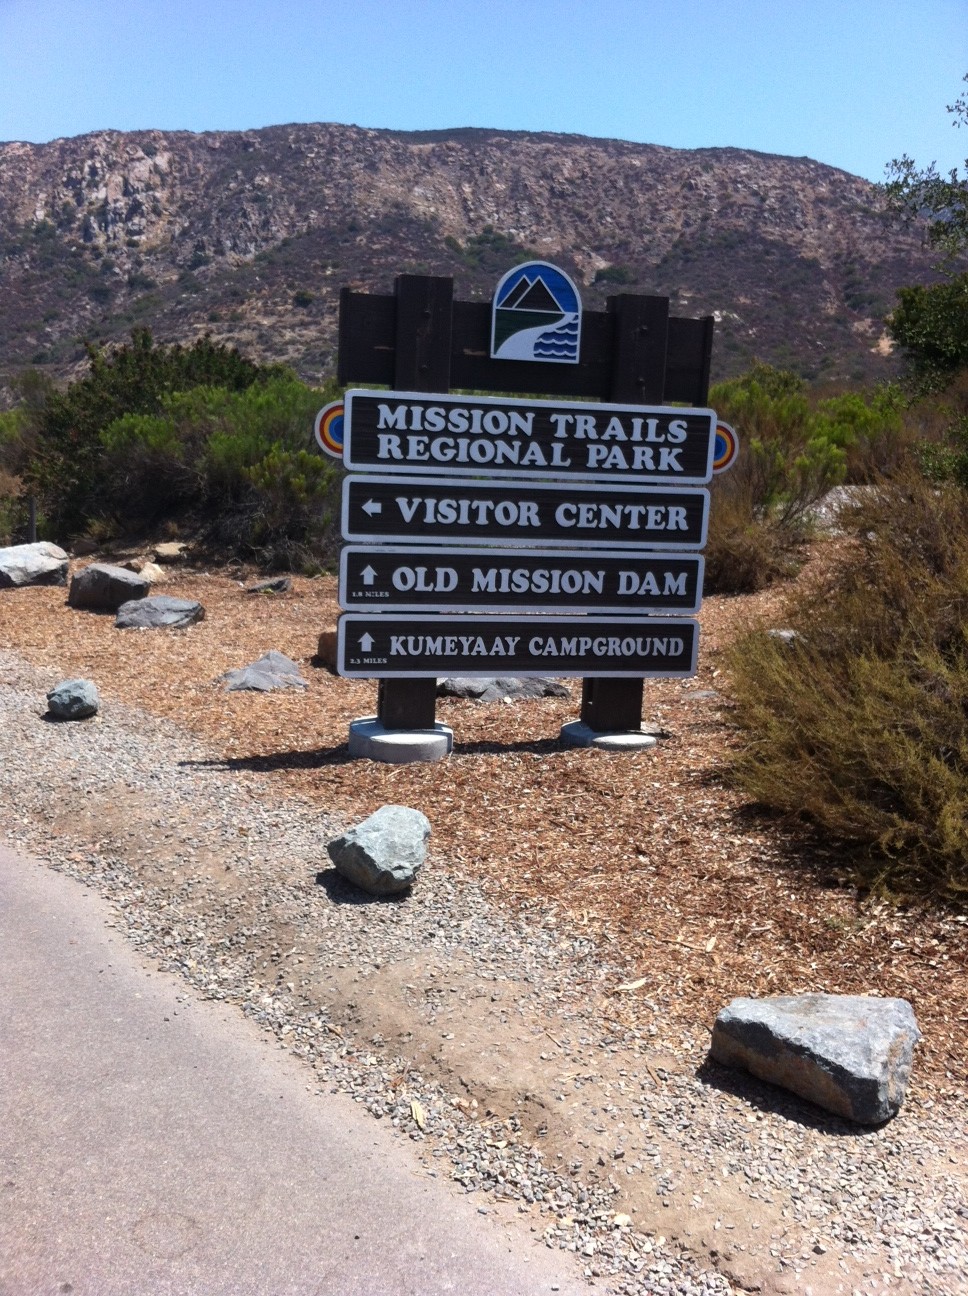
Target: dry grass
650 853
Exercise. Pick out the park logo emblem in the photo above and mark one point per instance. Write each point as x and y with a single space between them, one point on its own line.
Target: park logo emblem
536 315
726 447
328 429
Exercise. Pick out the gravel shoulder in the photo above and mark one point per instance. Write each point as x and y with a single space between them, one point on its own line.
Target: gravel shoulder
484 1017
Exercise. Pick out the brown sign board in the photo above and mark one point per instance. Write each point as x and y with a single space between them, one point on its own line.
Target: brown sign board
397 579
456 511
388 645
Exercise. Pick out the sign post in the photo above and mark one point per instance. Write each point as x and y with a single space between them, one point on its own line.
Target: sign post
424 308
612 491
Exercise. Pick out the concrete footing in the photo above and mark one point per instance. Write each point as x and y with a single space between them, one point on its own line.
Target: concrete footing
370 740
578 734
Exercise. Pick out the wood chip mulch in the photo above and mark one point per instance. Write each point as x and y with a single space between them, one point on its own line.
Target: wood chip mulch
651 854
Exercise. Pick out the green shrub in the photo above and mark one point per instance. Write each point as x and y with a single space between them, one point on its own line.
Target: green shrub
238 458
489 251
860 725
868 427
145 474
941 424
297 496
154 433
930 325
615 274
761 506
10 508
66 469
793 450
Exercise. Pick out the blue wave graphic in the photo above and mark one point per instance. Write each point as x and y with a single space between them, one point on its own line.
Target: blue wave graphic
560 343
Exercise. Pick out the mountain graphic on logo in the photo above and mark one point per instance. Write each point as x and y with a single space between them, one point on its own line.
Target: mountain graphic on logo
536 315
531 296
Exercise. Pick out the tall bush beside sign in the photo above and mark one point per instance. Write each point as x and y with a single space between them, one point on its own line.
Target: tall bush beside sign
486 478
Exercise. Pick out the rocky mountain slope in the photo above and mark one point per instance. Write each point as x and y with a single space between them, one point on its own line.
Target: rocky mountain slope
250 235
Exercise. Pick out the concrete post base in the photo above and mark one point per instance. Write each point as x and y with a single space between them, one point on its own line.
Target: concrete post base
578 734
370 740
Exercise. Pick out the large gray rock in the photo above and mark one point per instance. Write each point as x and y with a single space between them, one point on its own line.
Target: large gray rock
384 853
160 610
850 1054
273 670
42 563
73 700
102 587
836 506
497 689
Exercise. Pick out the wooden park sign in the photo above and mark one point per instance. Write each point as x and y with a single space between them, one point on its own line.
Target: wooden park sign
571 505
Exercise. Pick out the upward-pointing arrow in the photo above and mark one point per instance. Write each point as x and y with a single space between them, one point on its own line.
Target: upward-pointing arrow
372 507
366 642
368 574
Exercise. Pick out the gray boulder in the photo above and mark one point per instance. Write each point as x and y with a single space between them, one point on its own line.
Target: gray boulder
384 853
42 563
73 700
496 690
160 610
788 637
273 670
102 587
836 506
850 1054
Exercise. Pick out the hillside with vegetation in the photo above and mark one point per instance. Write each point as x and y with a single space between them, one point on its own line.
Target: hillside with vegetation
248 236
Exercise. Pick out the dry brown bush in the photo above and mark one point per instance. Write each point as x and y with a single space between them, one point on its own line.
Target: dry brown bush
860 723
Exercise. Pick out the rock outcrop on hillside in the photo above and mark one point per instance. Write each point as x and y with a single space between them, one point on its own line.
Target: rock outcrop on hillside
249 236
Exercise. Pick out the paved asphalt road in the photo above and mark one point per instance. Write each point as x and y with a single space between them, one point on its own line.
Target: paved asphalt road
154 1144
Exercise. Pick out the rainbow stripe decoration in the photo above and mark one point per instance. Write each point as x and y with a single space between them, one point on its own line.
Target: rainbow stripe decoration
329 429
726 448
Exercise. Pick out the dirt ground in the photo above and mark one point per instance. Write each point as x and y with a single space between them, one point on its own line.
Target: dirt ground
651 856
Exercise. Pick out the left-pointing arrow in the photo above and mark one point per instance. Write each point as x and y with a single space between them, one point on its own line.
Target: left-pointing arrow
366 642
368 574
372 507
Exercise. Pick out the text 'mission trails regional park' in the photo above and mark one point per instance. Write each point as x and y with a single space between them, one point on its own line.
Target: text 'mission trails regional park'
401 432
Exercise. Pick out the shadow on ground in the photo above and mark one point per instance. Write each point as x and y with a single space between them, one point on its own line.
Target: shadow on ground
343 892
778 1102
320 758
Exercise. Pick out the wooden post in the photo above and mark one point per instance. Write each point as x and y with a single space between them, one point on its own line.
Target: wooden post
641 326
421 363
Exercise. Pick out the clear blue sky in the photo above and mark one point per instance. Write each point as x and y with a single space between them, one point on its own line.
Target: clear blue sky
852 83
